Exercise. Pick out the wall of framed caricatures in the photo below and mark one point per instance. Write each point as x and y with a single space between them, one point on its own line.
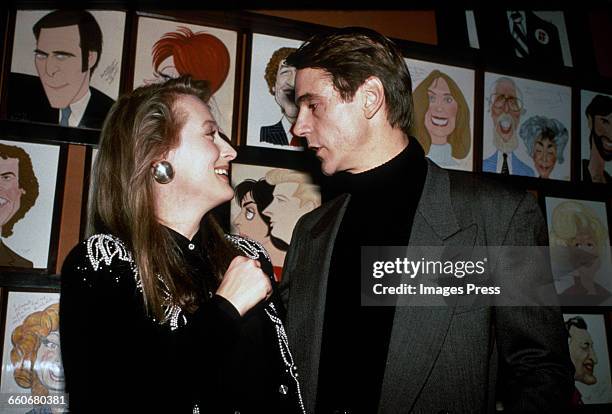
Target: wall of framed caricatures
536 115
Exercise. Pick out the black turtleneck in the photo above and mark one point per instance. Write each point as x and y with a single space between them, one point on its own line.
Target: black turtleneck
355 341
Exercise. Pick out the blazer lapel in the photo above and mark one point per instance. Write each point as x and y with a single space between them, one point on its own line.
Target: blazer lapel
308 293
418 332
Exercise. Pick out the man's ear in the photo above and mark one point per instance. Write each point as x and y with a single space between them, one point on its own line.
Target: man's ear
92 59
374 96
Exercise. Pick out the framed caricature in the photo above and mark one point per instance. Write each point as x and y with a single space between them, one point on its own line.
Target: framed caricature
595 137
65 66
443 98
526 127
538 37
589 352
578 233
29 174
268 203
168 49
272 110
31 357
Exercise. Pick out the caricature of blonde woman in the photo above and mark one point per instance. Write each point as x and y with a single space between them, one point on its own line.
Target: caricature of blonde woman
578 228
36 354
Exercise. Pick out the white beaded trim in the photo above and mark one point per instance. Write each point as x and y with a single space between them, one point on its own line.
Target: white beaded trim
105 247
251 248
283 344
254 250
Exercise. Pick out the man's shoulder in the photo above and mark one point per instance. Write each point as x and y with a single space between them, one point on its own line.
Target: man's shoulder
486 191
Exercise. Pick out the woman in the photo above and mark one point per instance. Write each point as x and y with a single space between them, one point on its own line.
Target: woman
545 140
442 120
253 197
160 311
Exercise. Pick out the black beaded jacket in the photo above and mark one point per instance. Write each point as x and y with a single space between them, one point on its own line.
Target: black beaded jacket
118 359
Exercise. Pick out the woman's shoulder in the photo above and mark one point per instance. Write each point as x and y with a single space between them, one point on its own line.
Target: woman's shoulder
100 257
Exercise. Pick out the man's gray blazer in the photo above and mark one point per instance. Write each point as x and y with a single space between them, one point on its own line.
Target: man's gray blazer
441 359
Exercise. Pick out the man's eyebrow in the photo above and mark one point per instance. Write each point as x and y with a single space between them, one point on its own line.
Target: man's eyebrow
210 124
40 52
305 97
62 52
8 173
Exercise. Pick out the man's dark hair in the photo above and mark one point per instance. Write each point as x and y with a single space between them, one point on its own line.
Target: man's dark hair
90 33
577 322
353 54
27 182
600 105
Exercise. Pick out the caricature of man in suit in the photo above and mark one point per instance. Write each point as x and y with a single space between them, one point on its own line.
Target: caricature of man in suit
68 49
520 34
280 78
353 91
18 193
506 108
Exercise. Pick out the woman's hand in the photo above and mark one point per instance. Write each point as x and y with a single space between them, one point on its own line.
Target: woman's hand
244 284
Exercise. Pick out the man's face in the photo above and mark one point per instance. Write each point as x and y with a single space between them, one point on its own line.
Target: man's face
10 193
544 156
58 62
332 127
285 210
504 112
284 92
582 355
601 133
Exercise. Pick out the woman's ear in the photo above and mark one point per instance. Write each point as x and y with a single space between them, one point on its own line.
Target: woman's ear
374 96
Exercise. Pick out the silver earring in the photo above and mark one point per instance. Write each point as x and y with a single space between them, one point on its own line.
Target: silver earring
163 172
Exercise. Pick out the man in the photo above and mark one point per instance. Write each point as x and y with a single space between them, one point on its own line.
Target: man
599 118
18 193
355 109
294 195
582 353
68 48
506 107
280 78
513 34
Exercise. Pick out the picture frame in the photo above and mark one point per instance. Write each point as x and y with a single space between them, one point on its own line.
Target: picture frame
31 349
43 165
267 204
271 106
543 36
589 345
61 98
446 129
168 46
536 137
581 257
595 120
